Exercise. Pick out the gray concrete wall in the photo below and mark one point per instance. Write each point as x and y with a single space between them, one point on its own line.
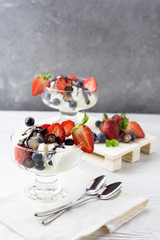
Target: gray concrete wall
116 41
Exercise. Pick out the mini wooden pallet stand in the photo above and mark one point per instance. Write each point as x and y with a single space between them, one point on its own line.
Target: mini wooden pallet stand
111 158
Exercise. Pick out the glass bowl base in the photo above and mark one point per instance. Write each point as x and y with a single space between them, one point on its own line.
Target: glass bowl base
46 192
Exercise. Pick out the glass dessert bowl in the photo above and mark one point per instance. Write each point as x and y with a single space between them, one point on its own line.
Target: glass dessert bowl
68 94
45 156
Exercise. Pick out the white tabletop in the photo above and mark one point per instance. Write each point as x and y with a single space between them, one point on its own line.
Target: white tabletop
142 177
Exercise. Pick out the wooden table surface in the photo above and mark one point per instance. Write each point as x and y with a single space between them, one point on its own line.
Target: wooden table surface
142 177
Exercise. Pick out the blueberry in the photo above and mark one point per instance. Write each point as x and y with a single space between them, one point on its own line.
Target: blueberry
127 138
50 138
133 136
55 101
101 137
67 97
37 157
28 162
39 166
69 89
40 138
69 141
98 123
50 163
95 136
73 104
29 121
49 159
79 84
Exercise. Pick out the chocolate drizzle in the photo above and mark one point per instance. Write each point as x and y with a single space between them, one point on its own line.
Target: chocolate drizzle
86 94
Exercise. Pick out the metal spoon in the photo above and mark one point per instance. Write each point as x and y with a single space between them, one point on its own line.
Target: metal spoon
110 191
96 185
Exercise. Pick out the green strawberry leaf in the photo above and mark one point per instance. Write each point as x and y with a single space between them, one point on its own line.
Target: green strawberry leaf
123 124
84 120
46 76
123 115
105 116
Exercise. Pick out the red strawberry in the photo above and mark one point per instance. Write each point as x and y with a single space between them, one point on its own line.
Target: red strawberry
68 125
57 130
135 128
72 78
62 83
91 84
117 118
20 154
110 127
45 126
84 136
38 85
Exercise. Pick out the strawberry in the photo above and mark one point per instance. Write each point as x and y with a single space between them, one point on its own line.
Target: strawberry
72 78
20 154
45 126
91 84
118 118
57 130
68 125
82 135
40 82
62 83
110 127
135 128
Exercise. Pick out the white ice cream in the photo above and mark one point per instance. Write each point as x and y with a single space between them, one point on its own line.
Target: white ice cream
64 158
77 96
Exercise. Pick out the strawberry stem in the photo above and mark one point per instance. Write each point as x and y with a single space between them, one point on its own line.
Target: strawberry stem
84 120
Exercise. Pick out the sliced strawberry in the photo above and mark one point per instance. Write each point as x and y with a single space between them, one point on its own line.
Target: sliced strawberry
72 78
68 125
62 83
45 126
118 118
91 84
135 128
84 136
57 130
38 85
110 128
20 154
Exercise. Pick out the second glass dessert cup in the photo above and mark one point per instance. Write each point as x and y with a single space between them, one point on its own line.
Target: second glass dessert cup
70 101
46 187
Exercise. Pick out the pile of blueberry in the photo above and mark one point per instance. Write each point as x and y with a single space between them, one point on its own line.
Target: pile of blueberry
36 160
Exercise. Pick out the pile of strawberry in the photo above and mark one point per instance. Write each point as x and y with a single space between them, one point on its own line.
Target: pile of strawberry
62 83
119 128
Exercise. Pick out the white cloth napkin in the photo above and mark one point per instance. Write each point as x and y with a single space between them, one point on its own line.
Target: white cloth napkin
16 212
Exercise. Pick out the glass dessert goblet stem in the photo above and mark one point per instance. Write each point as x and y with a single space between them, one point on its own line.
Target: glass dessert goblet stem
69 115
45 188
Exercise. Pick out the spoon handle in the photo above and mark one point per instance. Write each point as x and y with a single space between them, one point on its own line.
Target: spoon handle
48 212
55 214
